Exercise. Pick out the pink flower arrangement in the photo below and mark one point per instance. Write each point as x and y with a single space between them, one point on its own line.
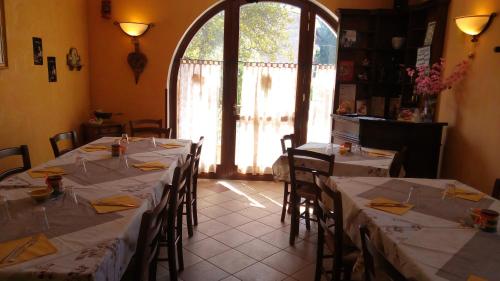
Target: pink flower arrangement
430 80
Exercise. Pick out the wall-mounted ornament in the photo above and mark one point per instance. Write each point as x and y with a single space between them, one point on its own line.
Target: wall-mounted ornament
137 60
37 51
73 59
106 9
51 65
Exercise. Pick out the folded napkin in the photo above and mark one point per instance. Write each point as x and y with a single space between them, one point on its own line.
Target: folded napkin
390 206
150 166
28 248
377 152
45 172
475 278
93 148
171 145
115 204
465 194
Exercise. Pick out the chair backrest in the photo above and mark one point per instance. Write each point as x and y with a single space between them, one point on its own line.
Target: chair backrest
303 174
181 180
398 162
72 136
148 127
149 235
496 190
196 152
326 215
12 151
291 139
374 261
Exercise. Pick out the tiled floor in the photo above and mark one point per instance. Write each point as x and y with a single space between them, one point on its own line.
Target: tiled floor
240 236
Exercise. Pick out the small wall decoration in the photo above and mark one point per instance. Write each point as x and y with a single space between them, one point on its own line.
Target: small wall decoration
51 65
106 9
37 51
73 59
3 40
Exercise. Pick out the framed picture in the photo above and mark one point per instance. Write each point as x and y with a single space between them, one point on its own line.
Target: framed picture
51 65
37 51
3 37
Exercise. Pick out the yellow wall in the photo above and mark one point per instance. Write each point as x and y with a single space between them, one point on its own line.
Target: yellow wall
111 79
31 108
472 151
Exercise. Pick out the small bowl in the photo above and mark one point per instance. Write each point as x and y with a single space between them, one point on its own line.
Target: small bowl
40 194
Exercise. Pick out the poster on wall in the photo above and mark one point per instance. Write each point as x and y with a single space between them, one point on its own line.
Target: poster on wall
429 34
37 51
3 42
423 56
51 65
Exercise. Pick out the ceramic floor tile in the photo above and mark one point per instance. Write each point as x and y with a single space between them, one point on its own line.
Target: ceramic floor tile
190 258
232 237
260 272
217 198
202 204
286 262
212 227
197 236
232 261
203 271
254 213
258 249
278 238
233 219
306 274
303 249
235 205
214 212
274 220
207 248
255 228
231 278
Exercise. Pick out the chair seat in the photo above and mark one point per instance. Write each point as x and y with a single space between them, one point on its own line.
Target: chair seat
307 191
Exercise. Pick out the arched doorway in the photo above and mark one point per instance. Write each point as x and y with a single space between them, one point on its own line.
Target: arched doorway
248 72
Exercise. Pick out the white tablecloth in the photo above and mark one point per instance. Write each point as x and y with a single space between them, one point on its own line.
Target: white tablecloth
428 242
92 246
356 163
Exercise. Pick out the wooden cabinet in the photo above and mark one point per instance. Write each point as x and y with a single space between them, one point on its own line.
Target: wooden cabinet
92 132
423 140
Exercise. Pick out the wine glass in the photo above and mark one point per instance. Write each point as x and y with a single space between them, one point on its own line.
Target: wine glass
41 219
153 141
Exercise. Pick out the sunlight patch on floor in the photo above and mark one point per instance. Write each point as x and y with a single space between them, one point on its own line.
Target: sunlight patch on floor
234 189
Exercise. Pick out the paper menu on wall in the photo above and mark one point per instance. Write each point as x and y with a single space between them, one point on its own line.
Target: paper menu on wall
347 98
423 56
429 34
362 107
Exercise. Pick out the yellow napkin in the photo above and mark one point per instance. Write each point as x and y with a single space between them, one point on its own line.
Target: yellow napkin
466 194
40 248
45 172
103 206
171 145
150 166
377 152
397 210
93 148
475 278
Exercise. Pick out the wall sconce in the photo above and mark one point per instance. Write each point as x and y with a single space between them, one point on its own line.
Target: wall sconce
137 60
474 25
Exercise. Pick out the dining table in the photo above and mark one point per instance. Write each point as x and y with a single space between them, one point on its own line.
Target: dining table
360 161
431 232
75 236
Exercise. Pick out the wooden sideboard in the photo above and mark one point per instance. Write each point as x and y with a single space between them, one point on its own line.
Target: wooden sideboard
423 140
91 132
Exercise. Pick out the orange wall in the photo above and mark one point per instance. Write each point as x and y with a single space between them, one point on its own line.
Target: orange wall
111 80
31 108
472 151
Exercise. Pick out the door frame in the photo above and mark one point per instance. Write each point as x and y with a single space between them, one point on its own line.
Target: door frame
231 8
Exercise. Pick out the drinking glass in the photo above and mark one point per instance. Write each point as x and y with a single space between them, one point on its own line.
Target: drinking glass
124 160
71 195
413 196
125 139
41 219
329 149
82 163
153 141
4 210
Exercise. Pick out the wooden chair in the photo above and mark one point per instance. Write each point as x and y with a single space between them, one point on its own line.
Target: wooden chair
191 195
149 127
303 187
172 230
13 151
496 190
286 193
398 162
372 257
144 263
343 254
72 136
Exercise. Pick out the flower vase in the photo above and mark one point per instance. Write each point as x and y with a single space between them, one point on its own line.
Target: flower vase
428 108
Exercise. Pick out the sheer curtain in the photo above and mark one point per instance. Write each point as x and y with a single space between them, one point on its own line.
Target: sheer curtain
266 114
199 111
321 103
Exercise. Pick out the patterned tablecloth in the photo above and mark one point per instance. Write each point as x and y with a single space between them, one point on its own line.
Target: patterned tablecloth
360 163
90 246
430 242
